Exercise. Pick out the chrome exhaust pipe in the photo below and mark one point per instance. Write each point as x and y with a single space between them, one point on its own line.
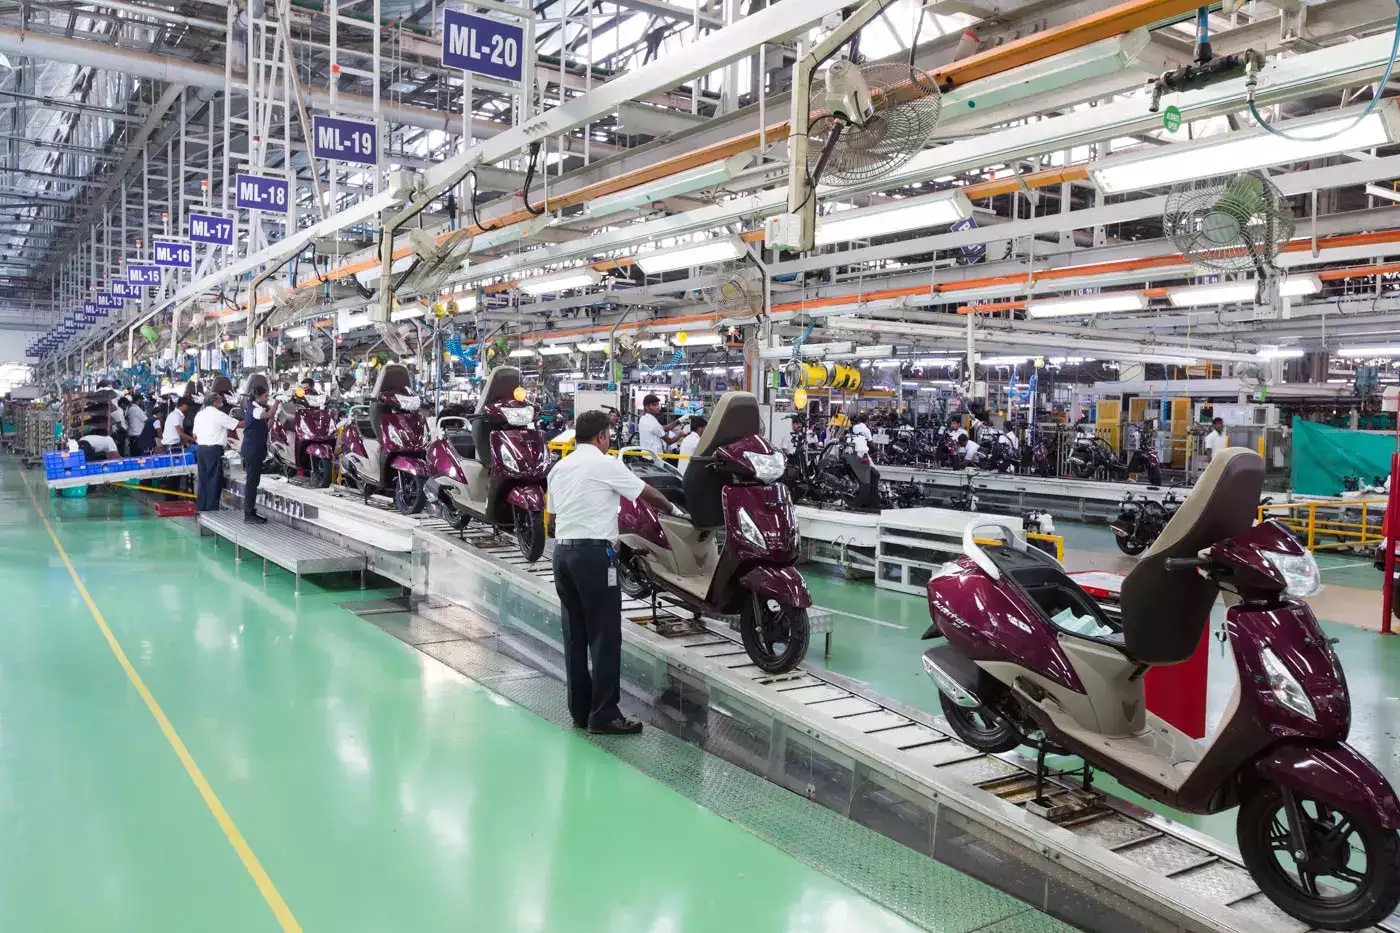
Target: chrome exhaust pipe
949 687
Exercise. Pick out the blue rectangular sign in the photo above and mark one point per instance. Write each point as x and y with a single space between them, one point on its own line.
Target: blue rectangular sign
483 46
142 274
210 228
973 251
89 306
346 140
260 193
110 302
89 319
177 254
123 289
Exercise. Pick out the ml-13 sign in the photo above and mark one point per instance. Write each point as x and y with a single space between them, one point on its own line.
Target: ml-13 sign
108 302
345 140
210 228
483 46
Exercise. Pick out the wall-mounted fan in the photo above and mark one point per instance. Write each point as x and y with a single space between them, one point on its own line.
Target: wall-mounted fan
433 261
1234 224
395 337
738 288
287 304
868 120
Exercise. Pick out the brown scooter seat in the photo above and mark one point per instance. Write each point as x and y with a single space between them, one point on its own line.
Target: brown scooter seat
736 416
659 475
500 387
1052 591
394 379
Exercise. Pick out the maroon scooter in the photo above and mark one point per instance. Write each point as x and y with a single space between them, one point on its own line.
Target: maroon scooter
387 454
1031 659
301 437
732 483
493 471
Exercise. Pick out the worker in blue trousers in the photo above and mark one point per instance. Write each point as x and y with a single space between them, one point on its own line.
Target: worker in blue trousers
211 427
254 451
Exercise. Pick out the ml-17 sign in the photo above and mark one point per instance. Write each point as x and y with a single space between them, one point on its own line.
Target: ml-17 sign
345 140
483 46
210 228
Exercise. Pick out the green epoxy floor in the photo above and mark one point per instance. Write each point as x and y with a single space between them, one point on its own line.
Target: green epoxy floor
380 789
877 641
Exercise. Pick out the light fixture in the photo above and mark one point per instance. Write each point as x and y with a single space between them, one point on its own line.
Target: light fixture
574 375
1244 151
872 352
1217 293
522 352
297 333
596 346
936 361
701 340
652 343
1086 304
1368 352
354 321
704 176
408 314
1003 360
935 210
1279 353
581 277
556 349
887 364
699 253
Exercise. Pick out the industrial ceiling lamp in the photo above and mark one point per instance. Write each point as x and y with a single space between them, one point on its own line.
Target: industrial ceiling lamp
581 277
1219 293
1086 304
701 253
936 210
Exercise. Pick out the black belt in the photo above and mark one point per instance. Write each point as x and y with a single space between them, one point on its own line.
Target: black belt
583 542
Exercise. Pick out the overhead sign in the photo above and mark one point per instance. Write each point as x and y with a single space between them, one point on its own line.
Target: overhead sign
142 274
346 140
210 228
90 307
483 46
261 193
125 289
109 302
973 252
176 254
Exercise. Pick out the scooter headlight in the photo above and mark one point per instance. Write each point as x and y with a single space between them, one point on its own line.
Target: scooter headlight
508 459
1299 572
767 467
519 417
1285 686
749 530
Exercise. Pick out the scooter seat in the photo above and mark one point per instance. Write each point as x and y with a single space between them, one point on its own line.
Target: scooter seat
463 443
1052 591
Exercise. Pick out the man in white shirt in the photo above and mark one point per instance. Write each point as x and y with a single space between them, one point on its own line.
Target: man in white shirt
691 441
211 427
135 424
651 435
585 489
173 434
1215 441
99 447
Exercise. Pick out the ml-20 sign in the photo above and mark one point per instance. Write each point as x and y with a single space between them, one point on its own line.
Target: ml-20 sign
176 254
345 140
483 46
210 228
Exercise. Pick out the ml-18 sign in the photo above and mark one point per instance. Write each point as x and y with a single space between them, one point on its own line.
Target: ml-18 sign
176 254
345 140
210 228
261 193
483 46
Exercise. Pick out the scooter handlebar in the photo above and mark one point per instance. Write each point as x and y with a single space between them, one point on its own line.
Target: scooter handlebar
1185 564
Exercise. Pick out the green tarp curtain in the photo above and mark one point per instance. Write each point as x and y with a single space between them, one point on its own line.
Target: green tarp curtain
1322 456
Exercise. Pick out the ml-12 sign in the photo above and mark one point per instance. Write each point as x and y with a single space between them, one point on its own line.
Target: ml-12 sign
210 228
483 46
345 140
176 254
261 193
141 274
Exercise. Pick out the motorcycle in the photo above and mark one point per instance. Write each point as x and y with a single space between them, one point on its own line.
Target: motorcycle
846 463
731 487
491 465
1140 520
388 449
1144 458
1030 658
995 451
1093 458
301 437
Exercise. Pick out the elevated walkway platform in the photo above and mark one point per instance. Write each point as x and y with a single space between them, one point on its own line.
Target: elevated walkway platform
276 543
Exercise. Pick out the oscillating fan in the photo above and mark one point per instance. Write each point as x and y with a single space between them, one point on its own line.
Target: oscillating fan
433 261
867 120
738 287
1234 224
287 304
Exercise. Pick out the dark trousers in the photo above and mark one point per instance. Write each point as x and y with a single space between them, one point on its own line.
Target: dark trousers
252 475
592 613
209 484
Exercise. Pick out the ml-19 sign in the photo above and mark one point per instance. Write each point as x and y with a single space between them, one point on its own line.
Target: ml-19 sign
345 140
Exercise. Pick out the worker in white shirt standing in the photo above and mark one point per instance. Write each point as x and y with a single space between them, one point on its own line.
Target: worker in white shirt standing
691 441
1215 441
651 435
585 489
211 427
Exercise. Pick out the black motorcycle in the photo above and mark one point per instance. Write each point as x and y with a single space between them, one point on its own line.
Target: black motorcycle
1093 458
1140 520
1144 459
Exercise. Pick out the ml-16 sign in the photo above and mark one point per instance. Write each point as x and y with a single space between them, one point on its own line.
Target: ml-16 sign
261 193
177 254
210 228
483 46
345 140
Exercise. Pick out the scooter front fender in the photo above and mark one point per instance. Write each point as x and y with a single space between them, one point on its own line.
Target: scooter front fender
529 498
322 451
784 584
410 465
1335 774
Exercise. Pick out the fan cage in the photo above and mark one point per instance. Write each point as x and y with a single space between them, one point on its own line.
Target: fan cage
1237 223
907 104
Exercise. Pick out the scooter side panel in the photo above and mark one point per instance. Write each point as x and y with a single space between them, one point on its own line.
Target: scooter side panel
443 462
1334 774
527 497
415 466
639 519
1292 633
321 450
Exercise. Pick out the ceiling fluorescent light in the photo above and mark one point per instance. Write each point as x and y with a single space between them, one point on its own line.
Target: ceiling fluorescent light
582 277
596 346
355 321
1369 352
1003 360
652 343
1277 353
878 351
408 314
700 253
1086 304
558 349
705 176
297 333
1241 152
935 210
701 340
522 353
1217 293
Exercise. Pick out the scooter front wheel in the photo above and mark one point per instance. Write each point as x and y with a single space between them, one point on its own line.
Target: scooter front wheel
981 728
529 533
1131 545
408 493
320 473
775 636
1350 876
630 576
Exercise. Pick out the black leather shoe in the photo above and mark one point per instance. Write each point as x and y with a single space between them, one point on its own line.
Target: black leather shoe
580 723
620 726
254 520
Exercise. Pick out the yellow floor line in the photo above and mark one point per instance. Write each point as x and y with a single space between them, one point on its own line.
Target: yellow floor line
240 845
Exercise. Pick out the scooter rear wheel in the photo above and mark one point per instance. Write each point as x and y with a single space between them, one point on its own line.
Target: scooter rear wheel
981 728
529 533
630 576
1352 878
775 636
